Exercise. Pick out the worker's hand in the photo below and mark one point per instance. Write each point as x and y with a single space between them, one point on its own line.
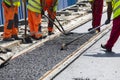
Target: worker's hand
107 21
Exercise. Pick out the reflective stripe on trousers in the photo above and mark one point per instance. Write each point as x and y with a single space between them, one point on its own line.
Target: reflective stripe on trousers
9 26
34 21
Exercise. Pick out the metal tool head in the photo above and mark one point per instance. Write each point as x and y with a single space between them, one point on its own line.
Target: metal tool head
63 47
26 39
68 33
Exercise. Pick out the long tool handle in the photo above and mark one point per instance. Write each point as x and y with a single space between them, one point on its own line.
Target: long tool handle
83 35
59 24
25 17
54 24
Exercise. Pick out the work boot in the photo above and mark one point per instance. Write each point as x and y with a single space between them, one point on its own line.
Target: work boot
8 39
38 36
16 37
104 47
42 37
50 33
33 36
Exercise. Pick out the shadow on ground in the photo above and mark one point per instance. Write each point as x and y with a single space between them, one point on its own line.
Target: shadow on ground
106 54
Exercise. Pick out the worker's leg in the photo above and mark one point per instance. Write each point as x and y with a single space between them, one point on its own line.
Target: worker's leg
34 21
15 27
31 24
97 13
37 22
8 16
114 33
51 15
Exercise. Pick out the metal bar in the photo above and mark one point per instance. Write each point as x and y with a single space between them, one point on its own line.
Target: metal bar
54 24
66 44
25 18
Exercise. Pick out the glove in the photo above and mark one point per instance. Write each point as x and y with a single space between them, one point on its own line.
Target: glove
107 21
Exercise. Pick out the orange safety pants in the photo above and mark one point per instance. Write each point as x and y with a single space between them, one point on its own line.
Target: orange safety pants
51 14
34 20
11 21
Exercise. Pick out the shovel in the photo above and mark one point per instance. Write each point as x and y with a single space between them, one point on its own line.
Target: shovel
27 38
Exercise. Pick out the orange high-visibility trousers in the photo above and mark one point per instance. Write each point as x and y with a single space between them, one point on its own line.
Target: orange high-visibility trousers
34 20
11 21
51 14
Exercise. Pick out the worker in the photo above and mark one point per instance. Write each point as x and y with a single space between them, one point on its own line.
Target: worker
11 20
115 32
97 7
34 18
109 11
50 6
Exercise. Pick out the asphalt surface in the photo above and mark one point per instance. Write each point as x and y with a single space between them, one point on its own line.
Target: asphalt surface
32 65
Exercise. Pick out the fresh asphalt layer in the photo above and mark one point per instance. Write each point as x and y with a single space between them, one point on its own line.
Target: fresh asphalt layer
32 65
